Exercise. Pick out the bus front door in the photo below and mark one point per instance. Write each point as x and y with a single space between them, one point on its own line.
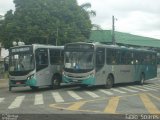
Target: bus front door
42 67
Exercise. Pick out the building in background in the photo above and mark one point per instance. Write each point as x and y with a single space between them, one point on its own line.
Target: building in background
124 39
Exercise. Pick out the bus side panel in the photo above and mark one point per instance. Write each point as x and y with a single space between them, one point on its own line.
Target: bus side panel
150 71
138 70
101 75
55 69
109 69
123 73
43 77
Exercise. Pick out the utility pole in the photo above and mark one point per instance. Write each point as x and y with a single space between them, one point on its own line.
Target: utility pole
113 31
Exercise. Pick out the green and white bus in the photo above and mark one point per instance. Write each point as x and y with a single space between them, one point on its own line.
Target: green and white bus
99 64
35 65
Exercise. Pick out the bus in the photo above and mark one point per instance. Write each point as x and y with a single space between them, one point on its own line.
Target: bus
90 64
35 65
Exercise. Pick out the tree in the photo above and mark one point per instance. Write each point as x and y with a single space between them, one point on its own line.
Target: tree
1 22
46 22
87 6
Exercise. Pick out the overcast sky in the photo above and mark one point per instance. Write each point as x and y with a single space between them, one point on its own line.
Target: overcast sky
140 17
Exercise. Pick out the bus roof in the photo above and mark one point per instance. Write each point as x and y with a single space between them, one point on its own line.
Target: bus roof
98 44
41 45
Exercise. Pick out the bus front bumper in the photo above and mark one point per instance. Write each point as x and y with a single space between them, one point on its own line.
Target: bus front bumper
86 81
19 83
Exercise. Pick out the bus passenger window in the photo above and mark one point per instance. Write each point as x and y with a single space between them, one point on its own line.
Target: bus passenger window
111 56
55 57
42 59
113 60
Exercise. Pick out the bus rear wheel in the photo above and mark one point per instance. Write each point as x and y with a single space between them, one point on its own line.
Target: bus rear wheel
56 81
109 82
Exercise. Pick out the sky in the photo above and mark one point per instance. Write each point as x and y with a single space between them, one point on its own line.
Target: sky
139 17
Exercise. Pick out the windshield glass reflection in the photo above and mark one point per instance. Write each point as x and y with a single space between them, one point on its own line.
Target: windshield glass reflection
79 60
21 62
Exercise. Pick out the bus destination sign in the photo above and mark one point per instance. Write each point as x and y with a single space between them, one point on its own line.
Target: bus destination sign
20 49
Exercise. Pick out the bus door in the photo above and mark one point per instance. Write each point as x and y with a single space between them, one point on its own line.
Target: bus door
137 65
100 69
56 61
42 67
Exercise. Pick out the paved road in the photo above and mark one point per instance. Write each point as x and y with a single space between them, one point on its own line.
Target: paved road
122 99
72 102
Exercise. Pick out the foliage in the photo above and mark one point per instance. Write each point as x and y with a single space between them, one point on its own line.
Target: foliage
46 22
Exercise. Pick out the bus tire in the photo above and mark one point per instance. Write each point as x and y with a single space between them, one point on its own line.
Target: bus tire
34 87
142 78
109 82
56 81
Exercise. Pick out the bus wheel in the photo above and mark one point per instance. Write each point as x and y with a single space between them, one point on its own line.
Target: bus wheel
109 82
142 78
56 81
34 87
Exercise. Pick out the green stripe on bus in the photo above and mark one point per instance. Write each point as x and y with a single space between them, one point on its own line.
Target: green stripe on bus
31 82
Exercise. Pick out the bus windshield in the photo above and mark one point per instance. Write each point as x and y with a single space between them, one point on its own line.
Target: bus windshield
79 61
21 62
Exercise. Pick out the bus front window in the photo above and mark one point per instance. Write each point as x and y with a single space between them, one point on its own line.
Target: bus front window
79 61
21 62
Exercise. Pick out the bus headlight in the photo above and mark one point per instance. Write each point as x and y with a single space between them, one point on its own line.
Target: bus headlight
30 77
63 73
91 75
